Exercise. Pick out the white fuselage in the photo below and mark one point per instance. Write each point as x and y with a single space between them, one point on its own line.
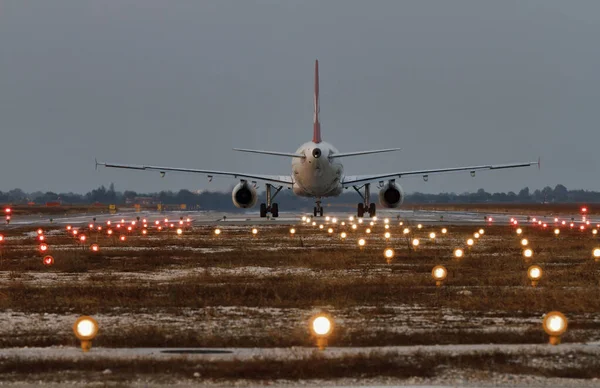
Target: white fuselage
317 175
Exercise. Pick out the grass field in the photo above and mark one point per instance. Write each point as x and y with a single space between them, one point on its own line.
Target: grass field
240 290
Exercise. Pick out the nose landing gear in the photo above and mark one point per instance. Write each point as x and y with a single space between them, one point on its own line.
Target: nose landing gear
318 210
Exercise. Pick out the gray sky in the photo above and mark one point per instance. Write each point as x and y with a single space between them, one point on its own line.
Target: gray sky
179 83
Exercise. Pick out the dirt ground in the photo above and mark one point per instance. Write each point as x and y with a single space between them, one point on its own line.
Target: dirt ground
236 289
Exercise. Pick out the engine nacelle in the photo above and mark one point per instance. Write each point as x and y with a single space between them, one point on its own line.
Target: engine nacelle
391 195
244 195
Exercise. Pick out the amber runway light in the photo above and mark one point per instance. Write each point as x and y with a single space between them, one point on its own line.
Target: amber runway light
439 274
85 329
555 324
321 327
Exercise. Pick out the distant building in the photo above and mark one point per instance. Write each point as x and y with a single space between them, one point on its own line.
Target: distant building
144 201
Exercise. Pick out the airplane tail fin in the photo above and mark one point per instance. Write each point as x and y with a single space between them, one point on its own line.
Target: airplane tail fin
316 123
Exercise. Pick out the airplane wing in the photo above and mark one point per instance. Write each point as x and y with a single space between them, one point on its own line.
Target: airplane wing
344 154
278 179
350 181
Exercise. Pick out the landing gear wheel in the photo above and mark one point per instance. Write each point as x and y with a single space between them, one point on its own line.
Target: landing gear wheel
321 212
263 210
275 210
315 211
361 210
372 210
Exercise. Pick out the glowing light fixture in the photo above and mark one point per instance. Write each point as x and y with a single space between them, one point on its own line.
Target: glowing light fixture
432 235
361 242
439 274
596 254
254 231
444 231
556 232
519 231
94 247
292 231
458 253
470 242
343 235
321 327
555 324
534 273
48 260
528 253
388 253
387 235
524 242
179 231
217 231
85 329
406 231
415 242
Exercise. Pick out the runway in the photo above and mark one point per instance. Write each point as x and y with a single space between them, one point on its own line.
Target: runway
425 217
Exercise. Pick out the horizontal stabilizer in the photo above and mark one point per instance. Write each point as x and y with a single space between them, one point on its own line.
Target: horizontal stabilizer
344 154
288 154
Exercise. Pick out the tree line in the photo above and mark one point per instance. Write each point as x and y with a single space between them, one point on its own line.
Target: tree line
215 200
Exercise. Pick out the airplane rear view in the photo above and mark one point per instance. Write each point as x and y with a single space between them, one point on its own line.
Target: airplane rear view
317 172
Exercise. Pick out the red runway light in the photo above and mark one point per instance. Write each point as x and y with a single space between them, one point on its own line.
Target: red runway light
82 238
91 226
74 232
94 247
39 231
122 238
7 210
157 222
1 238
41 237
48 260
110 232
43 247
584 209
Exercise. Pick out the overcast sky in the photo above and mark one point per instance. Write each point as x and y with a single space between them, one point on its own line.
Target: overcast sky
179 83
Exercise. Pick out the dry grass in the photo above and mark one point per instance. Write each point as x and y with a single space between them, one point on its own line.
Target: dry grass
316 366
199 270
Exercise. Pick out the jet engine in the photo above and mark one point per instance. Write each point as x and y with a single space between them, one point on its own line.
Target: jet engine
244 195
391 195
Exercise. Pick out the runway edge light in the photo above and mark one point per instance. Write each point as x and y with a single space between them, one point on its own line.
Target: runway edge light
321 326
85 329
555 324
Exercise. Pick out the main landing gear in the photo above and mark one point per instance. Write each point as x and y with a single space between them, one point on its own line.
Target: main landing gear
365 207
269 207
318 210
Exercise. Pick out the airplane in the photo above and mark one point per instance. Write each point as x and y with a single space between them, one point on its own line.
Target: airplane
317 172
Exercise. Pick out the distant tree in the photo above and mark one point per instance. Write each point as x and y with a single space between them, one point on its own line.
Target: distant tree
524 195
561 194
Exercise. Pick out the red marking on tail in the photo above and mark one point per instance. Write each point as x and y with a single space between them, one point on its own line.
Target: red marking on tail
316 123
